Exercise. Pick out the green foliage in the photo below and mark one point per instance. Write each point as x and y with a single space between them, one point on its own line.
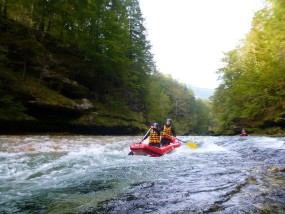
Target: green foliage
11 109
111 116
112 32
117 69
9 101
253 78
3 53
204 119
167 98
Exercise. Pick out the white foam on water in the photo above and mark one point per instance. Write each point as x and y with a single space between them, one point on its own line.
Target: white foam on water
63 166
204 144
269 142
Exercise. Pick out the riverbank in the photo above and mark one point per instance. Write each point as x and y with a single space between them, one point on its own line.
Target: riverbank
46 86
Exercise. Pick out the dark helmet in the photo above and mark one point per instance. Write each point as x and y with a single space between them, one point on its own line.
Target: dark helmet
168 120
155 124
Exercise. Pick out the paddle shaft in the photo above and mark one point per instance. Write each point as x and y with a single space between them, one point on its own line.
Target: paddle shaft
145 134
181 140
175 137
190 144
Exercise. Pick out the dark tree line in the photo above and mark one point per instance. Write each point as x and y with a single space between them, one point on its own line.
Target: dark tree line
111 33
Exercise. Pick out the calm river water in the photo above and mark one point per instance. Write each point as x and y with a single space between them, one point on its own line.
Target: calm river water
94 174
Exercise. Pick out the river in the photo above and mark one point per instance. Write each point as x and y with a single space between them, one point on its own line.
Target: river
94 174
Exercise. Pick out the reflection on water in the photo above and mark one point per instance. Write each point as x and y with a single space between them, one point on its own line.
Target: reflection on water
94 174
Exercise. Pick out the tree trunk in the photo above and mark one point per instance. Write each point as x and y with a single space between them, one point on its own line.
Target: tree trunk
42 24
1 6
25 67
5 9
49 26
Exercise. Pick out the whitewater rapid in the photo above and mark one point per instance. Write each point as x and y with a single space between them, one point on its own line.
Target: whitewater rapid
94 174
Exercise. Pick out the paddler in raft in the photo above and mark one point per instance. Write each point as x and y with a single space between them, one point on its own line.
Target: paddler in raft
166 133
243 133
154 136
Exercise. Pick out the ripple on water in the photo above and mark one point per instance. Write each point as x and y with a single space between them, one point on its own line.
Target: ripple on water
94 174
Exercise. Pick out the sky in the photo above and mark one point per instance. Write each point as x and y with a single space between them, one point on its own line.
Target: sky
189 37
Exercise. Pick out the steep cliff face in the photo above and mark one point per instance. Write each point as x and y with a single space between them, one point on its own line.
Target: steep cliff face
47 85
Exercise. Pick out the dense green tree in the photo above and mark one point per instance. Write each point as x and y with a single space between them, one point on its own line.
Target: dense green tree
253 78
167 98
204 119
111 34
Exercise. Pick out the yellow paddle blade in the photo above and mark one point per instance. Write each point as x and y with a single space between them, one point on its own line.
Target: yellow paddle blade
191 145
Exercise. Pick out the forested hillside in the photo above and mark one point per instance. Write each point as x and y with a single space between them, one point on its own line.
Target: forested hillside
252 93
86 67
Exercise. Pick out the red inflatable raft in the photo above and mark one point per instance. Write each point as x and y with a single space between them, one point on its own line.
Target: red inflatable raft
145 149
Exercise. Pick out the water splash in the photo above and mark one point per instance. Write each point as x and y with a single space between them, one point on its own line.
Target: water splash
78 174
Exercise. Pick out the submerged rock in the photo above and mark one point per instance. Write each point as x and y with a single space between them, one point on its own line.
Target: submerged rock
275 169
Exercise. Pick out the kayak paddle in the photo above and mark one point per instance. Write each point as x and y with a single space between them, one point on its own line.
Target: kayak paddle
189 144
145 135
